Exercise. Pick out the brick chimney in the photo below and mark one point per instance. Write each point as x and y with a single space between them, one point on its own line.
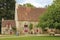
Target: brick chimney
2 19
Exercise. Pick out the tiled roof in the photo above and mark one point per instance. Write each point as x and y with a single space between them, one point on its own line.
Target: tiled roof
8 22
29 14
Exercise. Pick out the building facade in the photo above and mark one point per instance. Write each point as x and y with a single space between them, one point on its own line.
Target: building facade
7 26
24 16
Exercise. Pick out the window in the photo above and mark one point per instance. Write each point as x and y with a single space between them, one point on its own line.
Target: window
25 28
25 25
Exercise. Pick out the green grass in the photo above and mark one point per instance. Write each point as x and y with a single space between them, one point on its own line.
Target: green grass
33 38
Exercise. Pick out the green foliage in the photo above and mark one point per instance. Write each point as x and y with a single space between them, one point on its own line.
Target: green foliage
7 9
14 29
31 26
51 18
28 5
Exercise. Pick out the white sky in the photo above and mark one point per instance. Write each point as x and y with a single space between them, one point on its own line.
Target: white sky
37 3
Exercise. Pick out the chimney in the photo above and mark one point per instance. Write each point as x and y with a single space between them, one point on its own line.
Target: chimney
2 19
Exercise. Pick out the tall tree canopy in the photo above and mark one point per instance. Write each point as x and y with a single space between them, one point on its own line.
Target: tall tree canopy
51 18
7 8
28 5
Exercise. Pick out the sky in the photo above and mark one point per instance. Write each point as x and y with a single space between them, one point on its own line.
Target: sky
36 3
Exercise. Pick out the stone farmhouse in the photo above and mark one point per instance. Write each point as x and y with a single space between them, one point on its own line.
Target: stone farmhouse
24 16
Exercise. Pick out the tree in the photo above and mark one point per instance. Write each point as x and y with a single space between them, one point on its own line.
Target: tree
51 18
28 5
7 9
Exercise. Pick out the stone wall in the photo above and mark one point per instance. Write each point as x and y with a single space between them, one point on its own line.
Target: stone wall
22 23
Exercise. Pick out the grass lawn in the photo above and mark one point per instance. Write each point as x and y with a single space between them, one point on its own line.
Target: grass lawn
31 38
